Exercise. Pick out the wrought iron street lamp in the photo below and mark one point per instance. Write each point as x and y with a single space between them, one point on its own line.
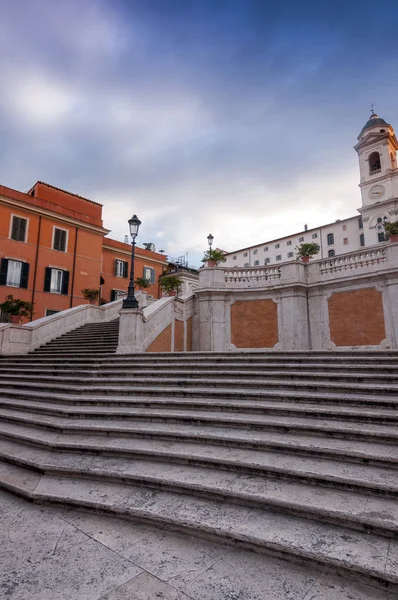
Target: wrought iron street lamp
210 239
131 301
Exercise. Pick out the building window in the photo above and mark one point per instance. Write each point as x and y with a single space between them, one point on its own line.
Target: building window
14 273
50 312
60 237
277 245
149 274
331 253
116 294
330 239
256 263
381 237
344 227
121 268
244 254
279 257
56 281
290 254
255 251
360 223
267 260
345 241
362 239
374 162
265 248
289 243
246 265
301 239
19 227
234 257
314 236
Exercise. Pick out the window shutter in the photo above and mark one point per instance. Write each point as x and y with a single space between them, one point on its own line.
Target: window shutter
65 283
62 240
24 275
152 275
3 271
56 239
15 228
113 295
47 279
22 230
115 267
125 269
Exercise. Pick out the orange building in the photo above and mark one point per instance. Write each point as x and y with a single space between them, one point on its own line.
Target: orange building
52 246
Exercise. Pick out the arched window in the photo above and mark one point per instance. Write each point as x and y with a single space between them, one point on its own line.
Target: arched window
374 162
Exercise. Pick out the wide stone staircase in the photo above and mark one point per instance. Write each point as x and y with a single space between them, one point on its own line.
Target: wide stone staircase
287 453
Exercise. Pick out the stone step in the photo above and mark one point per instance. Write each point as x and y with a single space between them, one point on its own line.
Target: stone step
91 407
117 366
118 374
203 397
302 539
163 385
139 418
353 451
324 463
354 510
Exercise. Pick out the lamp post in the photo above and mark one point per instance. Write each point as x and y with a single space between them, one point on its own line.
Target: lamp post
131 301
210 239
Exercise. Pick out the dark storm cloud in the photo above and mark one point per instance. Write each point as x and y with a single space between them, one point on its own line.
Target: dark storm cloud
199 115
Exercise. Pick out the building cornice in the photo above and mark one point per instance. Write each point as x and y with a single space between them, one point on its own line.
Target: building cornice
115 250
38 210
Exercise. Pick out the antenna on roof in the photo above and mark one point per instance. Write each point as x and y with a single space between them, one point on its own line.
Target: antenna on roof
126 239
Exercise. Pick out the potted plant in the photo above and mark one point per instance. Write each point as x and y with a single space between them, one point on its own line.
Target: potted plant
305 251
391 230
16 308
142 283
170 284
91 294
213 257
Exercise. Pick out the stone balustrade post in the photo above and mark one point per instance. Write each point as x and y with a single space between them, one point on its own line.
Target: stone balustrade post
131 331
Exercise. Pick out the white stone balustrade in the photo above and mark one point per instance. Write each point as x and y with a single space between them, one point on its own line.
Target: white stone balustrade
253 277
356 260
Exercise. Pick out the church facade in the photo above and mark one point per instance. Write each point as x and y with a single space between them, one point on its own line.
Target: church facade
377 153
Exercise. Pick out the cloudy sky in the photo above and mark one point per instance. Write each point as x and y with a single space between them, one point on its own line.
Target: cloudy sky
235 117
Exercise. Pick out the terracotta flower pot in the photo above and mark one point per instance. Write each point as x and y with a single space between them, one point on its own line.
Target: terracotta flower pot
15 319
173 293
394 238
305 259
211 264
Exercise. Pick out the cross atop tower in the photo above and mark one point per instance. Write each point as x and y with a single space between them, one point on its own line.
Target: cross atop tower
372 106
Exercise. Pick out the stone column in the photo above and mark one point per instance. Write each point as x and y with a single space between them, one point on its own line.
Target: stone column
131 331
211 310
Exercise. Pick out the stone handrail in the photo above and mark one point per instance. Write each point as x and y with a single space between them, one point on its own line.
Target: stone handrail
139 328
256 276
355 260
22 339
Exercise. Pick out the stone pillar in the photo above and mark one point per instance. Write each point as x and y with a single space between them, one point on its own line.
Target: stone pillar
293 320
131 331
211 310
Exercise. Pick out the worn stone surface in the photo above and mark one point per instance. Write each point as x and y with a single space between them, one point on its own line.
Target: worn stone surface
48 553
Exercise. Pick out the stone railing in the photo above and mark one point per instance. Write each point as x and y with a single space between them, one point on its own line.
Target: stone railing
355 260
139 328
255 277
22 339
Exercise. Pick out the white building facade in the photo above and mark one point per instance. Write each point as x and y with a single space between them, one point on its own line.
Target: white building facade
377 153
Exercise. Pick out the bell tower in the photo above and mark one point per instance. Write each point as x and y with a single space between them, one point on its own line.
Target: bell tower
377 153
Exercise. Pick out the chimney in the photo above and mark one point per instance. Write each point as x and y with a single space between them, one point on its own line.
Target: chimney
305 227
